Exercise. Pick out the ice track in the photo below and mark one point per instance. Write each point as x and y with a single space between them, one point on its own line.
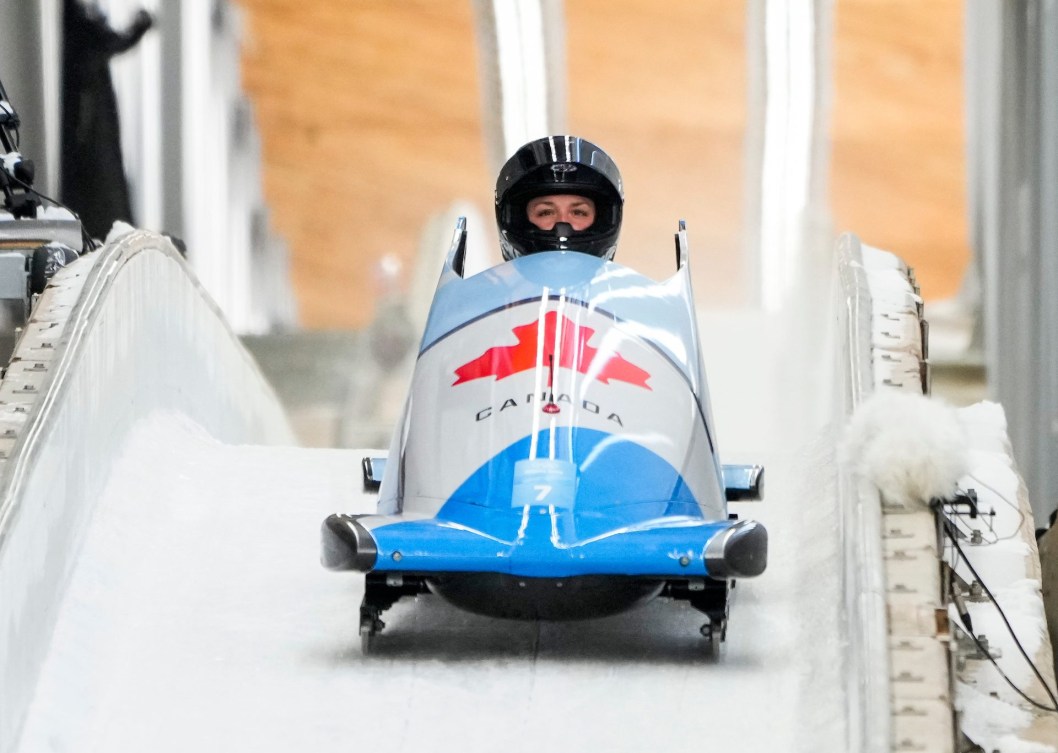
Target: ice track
198 617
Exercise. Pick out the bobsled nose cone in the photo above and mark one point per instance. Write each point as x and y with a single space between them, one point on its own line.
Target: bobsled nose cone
741 551
347 545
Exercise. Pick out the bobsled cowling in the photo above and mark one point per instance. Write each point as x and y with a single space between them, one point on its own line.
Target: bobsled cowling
557 426
559 357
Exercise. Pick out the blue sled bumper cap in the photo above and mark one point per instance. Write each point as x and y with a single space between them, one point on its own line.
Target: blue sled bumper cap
718 550
347 545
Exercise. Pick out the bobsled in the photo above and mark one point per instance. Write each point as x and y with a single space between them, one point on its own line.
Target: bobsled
556 457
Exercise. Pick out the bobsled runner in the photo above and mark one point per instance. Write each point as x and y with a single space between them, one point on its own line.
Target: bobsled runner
556 458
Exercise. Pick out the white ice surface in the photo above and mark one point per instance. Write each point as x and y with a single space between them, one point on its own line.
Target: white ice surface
199 618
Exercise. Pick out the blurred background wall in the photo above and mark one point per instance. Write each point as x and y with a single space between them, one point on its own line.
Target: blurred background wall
368 119
371 120
898 135
30 67
190 147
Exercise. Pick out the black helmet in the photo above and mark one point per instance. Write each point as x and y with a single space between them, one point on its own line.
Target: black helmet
558 165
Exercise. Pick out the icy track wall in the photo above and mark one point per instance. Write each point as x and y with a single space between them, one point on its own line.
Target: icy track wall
122 333
900 680
905 594
866 658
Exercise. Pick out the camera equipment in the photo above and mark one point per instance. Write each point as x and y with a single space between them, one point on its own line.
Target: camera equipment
35 242
16 173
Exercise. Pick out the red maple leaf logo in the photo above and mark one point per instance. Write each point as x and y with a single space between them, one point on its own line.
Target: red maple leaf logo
504 360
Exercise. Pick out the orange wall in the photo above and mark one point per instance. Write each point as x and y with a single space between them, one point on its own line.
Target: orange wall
371 119
662 87
898 164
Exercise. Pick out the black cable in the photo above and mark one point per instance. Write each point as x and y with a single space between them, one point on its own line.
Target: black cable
1015 508
1010 629
89 242
981 648
964 529
964 616
967 530
13 132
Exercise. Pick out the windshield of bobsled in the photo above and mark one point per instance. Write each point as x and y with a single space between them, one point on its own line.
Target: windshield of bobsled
557 379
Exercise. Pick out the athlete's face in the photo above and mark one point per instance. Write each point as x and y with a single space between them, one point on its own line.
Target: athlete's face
545 211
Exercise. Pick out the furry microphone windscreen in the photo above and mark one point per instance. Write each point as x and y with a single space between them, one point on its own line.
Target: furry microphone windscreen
911 447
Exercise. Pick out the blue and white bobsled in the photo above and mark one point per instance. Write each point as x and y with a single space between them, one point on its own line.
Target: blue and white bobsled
556 458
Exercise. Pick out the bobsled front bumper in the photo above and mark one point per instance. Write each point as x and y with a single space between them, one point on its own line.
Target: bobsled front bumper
688 548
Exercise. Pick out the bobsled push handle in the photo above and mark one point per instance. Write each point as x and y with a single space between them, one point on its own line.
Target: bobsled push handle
743 483
373 468
457 252
681 245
